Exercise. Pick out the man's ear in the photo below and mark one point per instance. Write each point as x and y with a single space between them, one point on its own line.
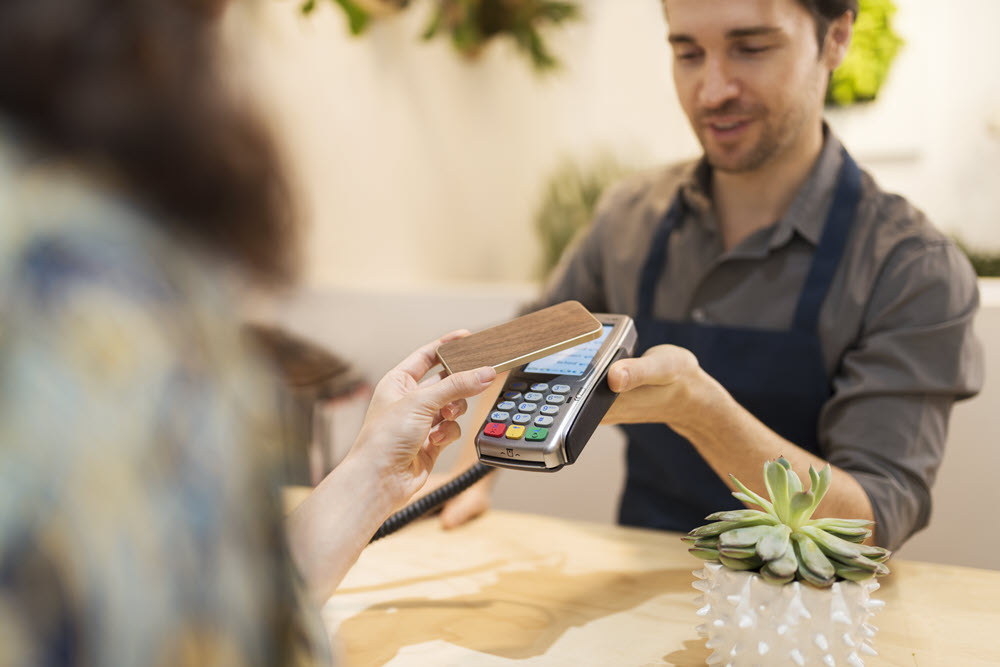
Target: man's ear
838 40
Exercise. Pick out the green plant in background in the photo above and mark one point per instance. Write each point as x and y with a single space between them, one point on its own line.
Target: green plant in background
569 203
985 263
873 49
471 24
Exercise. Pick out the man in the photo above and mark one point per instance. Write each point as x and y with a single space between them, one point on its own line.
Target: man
786 306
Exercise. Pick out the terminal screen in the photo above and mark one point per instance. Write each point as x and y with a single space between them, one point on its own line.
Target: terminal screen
572 361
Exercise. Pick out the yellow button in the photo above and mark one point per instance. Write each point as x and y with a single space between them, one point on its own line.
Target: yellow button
515 431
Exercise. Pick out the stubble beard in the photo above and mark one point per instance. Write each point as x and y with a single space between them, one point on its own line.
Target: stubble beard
776 135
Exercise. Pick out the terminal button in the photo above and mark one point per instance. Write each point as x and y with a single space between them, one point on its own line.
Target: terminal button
536 433
495 430
499 416
561 388
515 432
521 418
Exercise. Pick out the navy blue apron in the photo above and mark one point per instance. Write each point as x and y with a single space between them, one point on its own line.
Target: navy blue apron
778 376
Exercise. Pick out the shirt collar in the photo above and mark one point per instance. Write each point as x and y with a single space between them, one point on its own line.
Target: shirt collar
807 213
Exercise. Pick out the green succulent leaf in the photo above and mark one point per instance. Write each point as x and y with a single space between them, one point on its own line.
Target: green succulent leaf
719 527
704 553
851 530
741 553
740 563
749 496
801 508
743 537
841 525
773 577
787 564
823 480
814 567
776 479
852 573
794 483
742 515
773 543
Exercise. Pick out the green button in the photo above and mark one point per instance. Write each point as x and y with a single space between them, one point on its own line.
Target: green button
535 433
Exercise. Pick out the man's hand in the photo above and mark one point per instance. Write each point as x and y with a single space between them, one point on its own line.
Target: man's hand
464 507
665 385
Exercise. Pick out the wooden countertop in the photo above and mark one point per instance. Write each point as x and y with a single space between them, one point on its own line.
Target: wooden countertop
520 589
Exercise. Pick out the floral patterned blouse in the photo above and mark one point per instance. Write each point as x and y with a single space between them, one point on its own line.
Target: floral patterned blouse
139 515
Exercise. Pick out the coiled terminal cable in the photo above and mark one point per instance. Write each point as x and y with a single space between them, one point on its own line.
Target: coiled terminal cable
418 508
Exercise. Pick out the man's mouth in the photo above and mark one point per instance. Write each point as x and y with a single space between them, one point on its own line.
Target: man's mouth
726 128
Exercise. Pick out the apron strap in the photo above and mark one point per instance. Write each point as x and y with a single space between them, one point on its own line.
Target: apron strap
831 246
657 257
824 264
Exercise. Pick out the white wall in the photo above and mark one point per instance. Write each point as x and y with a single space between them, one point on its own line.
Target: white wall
414 166
934 134
417 165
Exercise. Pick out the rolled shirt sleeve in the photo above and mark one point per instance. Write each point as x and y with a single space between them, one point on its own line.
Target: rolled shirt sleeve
893 390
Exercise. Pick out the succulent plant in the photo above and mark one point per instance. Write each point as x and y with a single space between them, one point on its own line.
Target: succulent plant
782 541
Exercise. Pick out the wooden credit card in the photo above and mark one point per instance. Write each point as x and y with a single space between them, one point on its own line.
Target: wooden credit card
522 340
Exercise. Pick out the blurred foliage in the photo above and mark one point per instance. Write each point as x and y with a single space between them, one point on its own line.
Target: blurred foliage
873 49
986 264
471 24
569 203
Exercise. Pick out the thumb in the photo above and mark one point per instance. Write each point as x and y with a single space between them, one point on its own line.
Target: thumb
454 387
660 365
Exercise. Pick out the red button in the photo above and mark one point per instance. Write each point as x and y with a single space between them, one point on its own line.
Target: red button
495 430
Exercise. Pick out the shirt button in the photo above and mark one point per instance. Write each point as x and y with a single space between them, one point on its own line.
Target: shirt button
699 315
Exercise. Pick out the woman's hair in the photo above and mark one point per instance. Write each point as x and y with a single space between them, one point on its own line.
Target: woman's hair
131 87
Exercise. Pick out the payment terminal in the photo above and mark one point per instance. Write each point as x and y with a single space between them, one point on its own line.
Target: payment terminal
549 408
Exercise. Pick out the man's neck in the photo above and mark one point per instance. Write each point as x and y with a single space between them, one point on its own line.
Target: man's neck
746 202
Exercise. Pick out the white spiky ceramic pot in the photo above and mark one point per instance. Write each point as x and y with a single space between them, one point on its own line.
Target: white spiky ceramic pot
782 588
749 621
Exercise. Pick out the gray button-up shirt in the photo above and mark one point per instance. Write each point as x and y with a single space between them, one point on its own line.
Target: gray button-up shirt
895 329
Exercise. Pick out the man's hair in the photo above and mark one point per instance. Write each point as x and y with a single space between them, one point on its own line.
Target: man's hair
824 12
132 87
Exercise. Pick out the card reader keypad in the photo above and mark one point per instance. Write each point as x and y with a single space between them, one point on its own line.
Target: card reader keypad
529 415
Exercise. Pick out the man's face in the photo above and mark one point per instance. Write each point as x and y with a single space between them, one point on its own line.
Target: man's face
749 76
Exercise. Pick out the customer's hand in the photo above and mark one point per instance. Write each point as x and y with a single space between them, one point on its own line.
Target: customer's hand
407 425
409 422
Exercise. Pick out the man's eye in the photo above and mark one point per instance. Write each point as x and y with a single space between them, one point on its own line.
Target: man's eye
752 49
687 55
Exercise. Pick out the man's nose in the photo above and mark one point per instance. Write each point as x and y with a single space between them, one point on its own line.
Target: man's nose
718 85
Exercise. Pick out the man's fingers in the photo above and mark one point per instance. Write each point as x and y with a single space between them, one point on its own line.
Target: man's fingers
660 365
465 506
